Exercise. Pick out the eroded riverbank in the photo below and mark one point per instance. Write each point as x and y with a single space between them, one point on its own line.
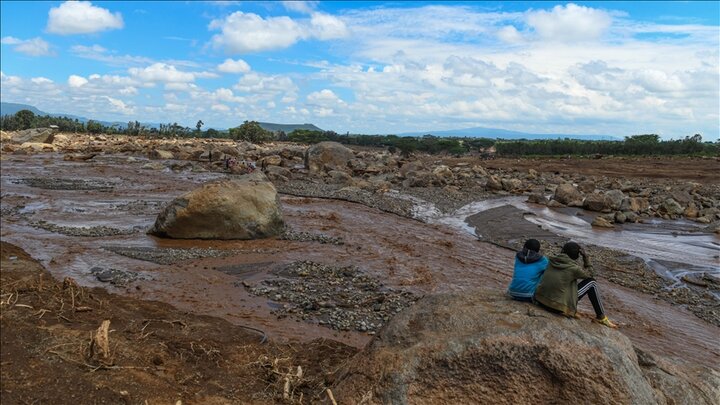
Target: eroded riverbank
217 277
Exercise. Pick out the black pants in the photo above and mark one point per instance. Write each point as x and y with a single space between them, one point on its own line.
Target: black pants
589 287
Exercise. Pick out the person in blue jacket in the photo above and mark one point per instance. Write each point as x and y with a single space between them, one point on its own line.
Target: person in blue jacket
529 268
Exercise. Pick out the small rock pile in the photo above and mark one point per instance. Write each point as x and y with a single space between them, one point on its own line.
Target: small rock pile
342 298
302 236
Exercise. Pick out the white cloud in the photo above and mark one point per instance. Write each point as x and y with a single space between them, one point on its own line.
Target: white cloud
234 66
220 107
248 32
325 27
81 17
305 7
77 81
99 53
161 72
569 23
509 34
324 97
41 80
265 84
120 106
226 95
33 47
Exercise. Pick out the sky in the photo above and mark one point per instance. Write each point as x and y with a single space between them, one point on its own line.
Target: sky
615 68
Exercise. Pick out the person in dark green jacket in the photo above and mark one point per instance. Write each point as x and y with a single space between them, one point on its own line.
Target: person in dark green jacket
559 290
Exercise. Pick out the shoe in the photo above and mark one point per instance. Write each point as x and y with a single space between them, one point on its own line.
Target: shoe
607 322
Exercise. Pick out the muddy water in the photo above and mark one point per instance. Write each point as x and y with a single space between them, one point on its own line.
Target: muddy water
673 248
403 253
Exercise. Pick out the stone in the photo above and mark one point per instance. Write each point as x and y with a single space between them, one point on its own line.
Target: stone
244 208
537 198
480 347
620 217
595 202
33 135
567 194
339 177
691 211
602 222
479 171
278 173
587 186
631 216
443 174
510 184
639 204
532 174
671 207
326 156
162 154
555 204
614 199
493 183
272 160
415 166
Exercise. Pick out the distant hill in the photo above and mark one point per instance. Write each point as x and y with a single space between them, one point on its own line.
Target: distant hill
287 128
498 133
12 108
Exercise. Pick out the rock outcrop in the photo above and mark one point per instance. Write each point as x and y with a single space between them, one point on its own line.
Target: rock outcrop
245 208
326 156
485 348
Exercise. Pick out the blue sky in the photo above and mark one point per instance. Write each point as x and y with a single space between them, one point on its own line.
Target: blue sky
618 68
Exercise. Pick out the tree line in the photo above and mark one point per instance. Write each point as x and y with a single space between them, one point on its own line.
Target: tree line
251 131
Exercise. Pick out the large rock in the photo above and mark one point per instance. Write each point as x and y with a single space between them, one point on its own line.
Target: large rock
326 156
596 202
245 208
567 194
34 135
482 348
671 207
614 199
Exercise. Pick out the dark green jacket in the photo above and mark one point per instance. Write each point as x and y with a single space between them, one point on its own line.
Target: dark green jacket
558 286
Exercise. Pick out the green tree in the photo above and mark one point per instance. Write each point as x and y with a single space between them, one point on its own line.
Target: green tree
251 131
94 127
25 119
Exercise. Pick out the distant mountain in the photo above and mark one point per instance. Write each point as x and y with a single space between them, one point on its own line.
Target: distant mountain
12 108
287 128
498 133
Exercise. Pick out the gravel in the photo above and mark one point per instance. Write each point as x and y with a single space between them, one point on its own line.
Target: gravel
92 231
342 298
170 255
50 183
115 276
303 236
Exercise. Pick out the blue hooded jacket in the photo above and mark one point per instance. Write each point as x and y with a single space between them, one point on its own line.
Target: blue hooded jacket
529 268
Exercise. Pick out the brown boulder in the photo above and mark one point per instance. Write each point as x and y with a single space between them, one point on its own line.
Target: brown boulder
567 194
480 347
244 208
326 156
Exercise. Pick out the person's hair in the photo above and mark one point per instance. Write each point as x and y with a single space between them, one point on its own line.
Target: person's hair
532 244
571 249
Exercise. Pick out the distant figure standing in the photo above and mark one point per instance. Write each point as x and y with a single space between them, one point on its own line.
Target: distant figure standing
559 290
529 268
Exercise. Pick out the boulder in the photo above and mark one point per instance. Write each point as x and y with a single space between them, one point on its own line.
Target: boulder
244 208
614 199
34 135
567 194
510 184
483 348
272 160
620 217
671 207
278 173
418 179
537 198
162 154
602 222
587 186
691 211
326 156
339 177
493 183
479 171
37 147
443 174
595 202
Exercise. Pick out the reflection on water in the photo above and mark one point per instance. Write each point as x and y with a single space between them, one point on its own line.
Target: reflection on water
684 250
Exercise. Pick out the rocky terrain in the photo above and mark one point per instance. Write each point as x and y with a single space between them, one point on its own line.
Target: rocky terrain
335 267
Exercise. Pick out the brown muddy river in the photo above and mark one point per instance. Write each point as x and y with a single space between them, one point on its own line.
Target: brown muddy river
123 197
